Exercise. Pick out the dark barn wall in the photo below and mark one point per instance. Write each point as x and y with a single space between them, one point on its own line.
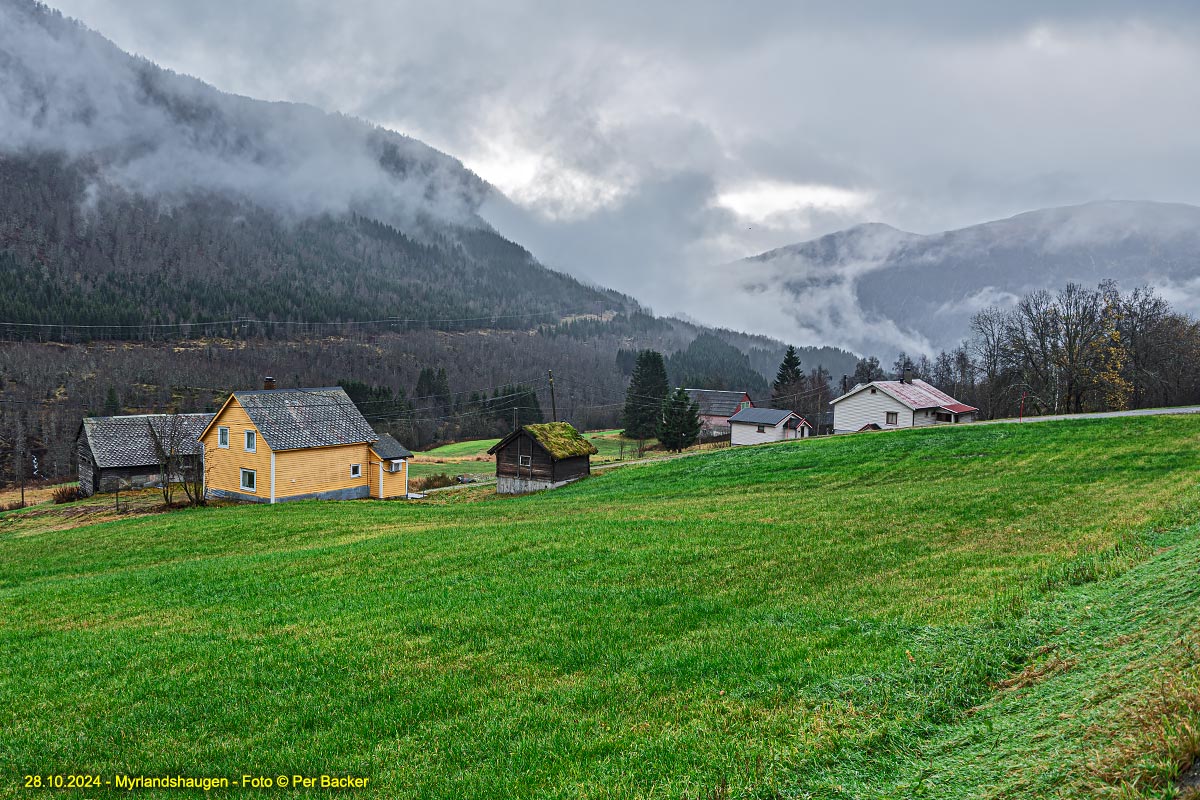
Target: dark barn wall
508 460
84 467
111 479
571 468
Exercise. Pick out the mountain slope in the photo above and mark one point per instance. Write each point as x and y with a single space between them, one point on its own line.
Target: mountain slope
877 289
132 195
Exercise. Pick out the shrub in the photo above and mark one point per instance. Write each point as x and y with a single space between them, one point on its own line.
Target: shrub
12 506
437 481
65 494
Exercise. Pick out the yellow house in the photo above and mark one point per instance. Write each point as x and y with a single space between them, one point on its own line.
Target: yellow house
292 444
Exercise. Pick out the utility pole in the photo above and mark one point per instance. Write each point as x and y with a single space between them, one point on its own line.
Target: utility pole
553 405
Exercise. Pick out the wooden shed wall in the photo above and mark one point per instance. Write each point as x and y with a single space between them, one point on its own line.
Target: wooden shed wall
508 460
571 468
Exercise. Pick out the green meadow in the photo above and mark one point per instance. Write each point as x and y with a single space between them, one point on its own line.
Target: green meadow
980 611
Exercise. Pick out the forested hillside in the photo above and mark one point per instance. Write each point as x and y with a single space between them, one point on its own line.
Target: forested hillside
72 257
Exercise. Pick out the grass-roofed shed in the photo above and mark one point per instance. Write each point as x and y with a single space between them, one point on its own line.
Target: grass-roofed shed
545 456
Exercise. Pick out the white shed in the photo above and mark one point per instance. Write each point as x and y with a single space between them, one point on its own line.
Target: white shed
888 405
760 425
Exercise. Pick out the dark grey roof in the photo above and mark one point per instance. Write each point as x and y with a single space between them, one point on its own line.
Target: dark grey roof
760 416
716 403
294 419
125 441
388 448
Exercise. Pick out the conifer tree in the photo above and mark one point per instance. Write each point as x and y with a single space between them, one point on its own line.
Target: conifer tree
644 399
112 403
679 424
789 382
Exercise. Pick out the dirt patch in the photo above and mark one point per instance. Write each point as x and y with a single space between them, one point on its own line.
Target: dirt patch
1035 673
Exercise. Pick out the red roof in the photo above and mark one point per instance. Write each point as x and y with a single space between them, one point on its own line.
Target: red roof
960 408
918 395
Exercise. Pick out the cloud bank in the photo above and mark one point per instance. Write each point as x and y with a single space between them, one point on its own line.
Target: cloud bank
646 149
64 89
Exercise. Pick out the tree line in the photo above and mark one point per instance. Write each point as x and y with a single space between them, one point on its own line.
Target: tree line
1074 350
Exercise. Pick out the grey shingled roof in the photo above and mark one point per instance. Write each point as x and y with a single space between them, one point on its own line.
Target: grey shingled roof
388 448
760 416
125 441
715 402
295 419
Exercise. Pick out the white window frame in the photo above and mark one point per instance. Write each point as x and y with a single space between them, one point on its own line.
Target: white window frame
395 465
223 437
253 479
250 441
356 470
525 461
892 418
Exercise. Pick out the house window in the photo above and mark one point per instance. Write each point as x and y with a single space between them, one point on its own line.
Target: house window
872 390
942 417
251 442
762 429
223 438
356 470
248 480
744 404
893 417
526 461
396 465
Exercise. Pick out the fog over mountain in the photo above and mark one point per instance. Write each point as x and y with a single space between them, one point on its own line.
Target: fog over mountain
66 89
876 289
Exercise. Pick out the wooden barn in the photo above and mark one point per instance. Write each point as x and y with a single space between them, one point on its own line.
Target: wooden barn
119 452
545 456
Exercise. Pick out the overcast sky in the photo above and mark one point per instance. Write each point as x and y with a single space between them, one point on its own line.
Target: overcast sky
645 142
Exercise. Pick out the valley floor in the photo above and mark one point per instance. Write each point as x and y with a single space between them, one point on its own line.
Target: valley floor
1004 611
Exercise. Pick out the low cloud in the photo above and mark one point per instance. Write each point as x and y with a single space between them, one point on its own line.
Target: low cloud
65 90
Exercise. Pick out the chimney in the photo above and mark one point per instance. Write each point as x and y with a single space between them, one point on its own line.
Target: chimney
908 375
268 382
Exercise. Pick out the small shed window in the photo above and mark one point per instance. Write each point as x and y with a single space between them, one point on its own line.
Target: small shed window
356 470
526 461
396 465
893 417
942 416
251 442
872 390
762 429
223 437
249 482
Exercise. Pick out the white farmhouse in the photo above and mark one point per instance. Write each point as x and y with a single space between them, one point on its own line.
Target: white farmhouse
886 405
759 425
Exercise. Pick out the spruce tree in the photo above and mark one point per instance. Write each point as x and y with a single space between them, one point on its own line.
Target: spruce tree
679 424
112 403
789 382
644 399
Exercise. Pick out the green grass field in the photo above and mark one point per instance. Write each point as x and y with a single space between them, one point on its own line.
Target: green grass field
1000 611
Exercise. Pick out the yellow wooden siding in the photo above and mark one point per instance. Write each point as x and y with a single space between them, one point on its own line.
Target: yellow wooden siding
395 484
372 469
223 466
319 469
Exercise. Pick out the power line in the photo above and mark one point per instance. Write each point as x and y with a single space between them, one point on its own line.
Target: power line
327 323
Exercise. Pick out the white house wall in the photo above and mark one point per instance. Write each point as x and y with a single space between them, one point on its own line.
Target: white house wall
854 412
744 433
